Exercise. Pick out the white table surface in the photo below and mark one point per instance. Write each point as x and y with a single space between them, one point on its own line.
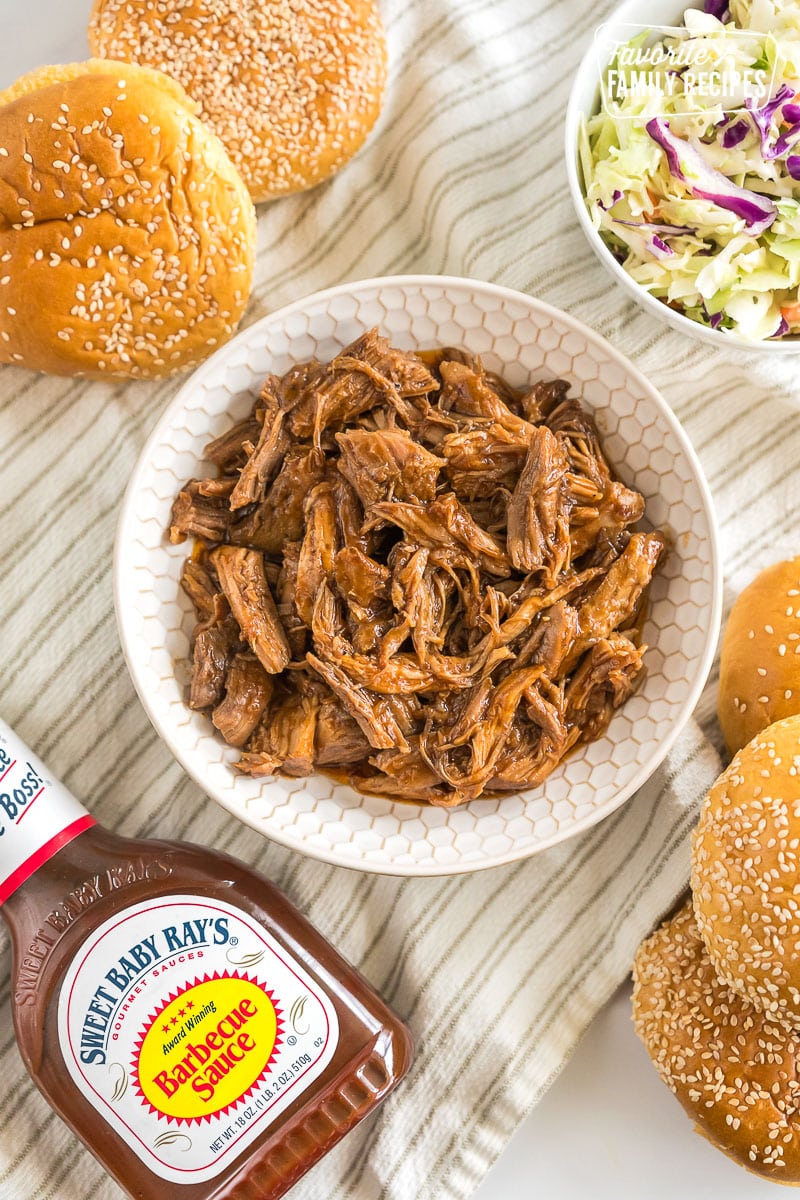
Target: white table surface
607 1129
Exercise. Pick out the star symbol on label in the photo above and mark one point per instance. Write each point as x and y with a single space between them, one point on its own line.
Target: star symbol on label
181 1012
174 1021
165 1028
190 1003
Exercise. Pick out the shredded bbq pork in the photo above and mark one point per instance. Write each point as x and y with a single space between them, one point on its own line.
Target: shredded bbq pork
411 574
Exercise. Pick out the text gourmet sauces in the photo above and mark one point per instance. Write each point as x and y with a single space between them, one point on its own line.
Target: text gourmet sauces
179 1014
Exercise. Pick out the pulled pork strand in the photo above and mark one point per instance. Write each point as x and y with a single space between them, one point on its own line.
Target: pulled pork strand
411 574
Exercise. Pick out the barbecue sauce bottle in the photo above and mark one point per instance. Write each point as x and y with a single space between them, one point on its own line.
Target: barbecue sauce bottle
191 1027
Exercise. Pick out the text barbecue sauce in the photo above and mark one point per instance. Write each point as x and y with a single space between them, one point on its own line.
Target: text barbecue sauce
177 1012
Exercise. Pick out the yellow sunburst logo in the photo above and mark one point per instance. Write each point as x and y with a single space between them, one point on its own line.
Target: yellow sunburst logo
203 1051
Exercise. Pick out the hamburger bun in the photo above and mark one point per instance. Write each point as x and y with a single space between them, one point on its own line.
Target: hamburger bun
759 676
735 1071
746 872
127 237
292 87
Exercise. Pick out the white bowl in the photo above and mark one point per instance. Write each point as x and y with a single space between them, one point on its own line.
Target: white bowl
584 101
525 340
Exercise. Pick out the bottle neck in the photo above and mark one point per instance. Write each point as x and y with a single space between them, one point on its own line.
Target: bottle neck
38 815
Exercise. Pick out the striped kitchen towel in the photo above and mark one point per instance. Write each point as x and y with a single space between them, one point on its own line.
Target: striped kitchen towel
498 973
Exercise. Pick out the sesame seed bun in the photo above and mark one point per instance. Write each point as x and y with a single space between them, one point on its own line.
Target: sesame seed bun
746 871
735 1071
292 87
759 679
127 237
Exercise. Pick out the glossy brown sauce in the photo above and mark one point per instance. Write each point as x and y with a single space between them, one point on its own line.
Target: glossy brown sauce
96 876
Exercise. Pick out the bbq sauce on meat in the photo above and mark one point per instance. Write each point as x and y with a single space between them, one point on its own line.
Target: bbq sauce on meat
413 575
192 1028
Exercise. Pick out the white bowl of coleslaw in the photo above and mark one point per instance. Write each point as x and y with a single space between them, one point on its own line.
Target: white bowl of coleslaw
692 202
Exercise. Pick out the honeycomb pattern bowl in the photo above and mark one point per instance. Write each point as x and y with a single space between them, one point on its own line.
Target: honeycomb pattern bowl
525 340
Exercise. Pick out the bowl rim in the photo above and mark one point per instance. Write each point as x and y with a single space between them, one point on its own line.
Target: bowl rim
507 295
574 112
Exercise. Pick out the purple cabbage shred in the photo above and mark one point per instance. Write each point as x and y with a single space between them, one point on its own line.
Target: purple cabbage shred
655 227
762 119
735 134
617 195
757 211
659 247
785 141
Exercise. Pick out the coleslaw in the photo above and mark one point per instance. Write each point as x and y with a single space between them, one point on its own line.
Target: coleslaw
699 197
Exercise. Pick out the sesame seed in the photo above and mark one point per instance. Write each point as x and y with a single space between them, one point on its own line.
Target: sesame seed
166 304
716 1051
313 77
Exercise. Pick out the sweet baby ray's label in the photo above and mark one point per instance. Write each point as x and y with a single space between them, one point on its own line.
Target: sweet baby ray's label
190 1029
